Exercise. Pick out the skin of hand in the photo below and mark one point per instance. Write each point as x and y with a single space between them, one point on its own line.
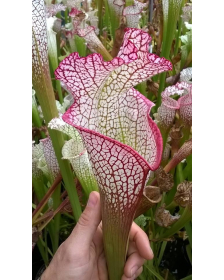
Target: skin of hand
81 255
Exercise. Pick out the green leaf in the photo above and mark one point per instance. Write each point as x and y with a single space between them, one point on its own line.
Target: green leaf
188 228
189 252
150 269
80 45
187 278
187 172
162 250
141 221
171 10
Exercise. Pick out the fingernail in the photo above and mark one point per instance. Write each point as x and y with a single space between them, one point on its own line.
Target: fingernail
133 271
92 200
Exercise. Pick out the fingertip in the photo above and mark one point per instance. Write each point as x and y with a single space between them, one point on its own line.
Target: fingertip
142 242
147 253
151 254
93 200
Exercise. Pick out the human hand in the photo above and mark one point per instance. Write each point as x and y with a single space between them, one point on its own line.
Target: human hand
81 256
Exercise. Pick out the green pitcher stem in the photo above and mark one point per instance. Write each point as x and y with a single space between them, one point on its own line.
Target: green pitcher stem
56 202
169 27
116 231
36 119
186 134
88 185
41 247
39 187
46 98
114 20
58 86
100 10
115 244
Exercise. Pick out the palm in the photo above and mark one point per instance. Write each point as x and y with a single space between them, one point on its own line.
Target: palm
97 257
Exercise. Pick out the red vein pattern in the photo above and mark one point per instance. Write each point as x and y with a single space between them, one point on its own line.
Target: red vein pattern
37 152
39 39
132 13
122 141
53 9
74 12
89 34
169 106
50 158
117 6
113 119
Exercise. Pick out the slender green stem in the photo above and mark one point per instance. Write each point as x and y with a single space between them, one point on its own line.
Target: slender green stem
105 54
36 117
49 109
58 87
43 244
58 84
186 134
189 252
151 270
39 187
114 19
41 248
188 228
66 16
80 45
115 248
42 84
100 9
168 35
116 228
180 23
163 247
57 217
188 169
179 174
46 247
152 222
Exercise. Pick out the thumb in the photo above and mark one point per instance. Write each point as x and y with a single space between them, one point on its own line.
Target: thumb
84 231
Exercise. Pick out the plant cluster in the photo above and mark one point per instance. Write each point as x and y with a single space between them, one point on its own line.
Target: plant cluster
112 112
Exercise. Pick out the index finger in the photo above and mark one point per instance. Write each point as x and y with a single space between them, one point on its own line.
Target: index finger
142 242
